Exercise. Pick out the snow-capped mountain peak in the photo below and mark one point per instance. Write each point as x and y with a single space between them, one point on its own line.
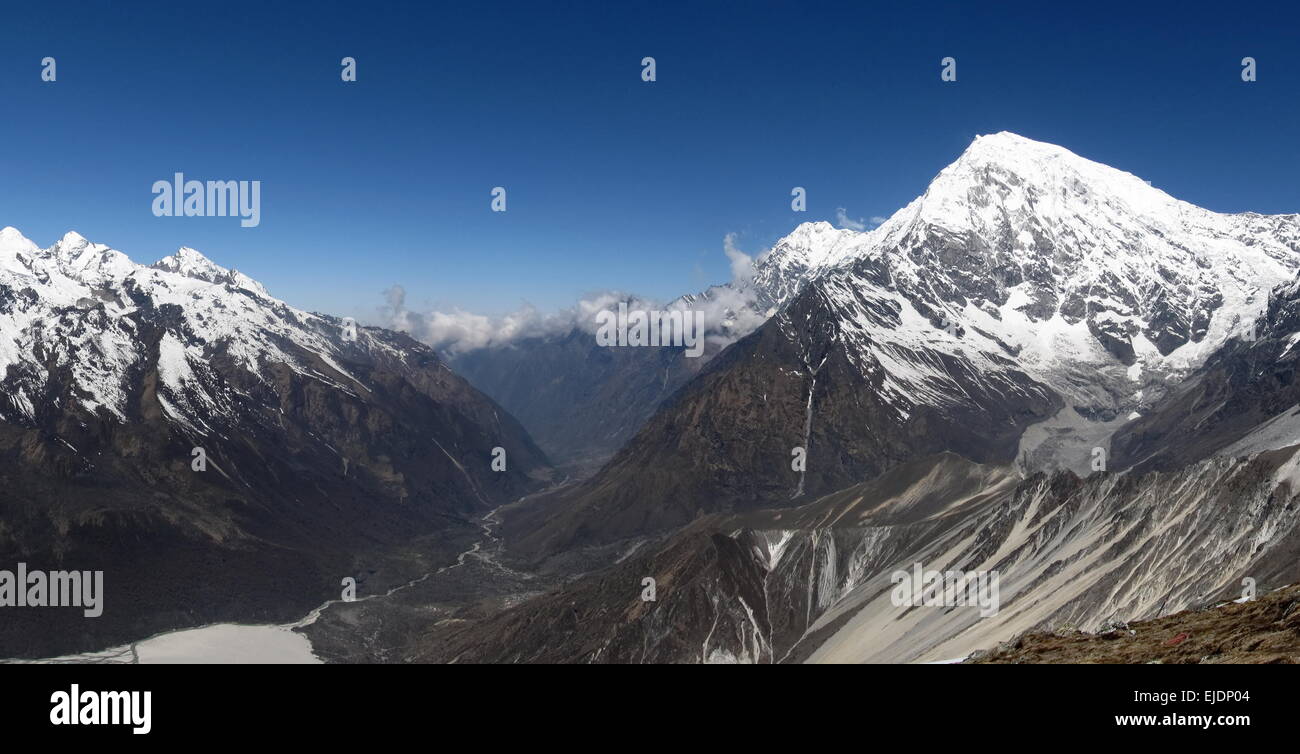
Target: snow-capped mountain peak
1024 257
808 250
12 241
87 310
193 264
1008 172
71 245
84 262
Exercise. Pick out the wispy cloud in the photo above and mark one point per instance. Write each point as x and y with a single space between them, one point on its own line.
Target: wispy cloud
843 220
742 264
459 330
729 313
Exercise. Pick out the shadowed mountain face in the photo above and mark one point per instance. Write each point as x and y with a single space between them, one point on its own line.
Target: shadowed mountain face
583 401
1244 400
322 447
727 440
579 400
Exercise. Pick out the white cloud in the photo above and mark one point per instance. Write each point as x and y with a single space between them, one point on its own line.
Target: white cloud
742 264
729 313
843 220
459 330
878 220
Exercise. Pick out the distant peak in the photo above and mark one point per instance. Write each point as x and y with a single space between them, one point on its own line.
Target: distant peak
12 239
10 233
192 264
71 246
184 256
810 245
194 255
811 238
815 227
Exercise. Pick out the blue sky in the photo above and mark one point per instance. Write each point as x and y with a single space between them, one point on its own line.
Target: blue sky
613 183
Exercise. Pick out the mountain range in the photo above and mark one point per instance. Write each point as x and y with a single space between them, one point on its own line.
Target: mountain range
1023 310
1042 367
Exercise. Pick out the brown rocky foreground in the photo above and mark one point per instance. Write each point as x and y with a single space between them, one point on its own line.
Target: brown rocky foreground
1264 630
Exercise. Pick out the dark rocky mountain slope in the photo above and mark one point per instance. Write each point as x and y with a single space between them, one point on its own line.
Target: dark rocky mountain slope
325 447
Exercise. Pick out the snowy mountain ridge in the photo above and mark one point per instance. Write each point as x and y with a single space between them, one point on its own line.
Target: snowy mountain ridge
75 306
